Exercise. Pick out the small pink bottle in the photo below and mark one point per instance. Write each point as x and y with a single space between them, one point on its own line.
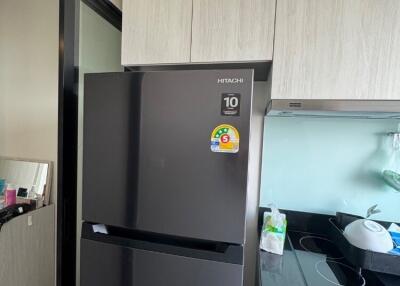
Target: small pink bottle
10 195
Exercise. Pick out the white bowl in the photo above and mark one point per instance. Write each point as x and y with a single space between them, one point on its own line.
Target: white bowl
369 235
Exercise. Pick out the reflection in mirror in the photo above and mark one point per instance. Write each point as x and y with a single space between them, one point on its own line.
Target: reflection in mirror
31 179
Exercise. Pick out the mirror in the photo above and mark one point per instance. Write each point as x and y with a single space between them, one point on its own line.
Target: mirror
31 179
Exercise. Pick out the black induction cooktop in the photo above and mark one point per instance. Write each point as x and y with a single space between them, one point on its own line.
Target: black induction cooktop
312 259
323 264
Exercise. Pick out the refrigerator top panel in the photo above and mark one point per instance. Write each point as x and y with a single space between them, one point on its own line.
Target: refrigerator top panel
167 152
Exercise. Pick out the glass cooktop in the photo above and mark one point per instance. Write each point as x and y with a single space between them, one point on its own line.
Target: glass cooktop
313 260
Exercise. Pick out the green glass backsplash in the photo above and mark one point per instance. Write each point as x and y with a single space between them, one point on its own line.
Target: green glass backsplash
325 165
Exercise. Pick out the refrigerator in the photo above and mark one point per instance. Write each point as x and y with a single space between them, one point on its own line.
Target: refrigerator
166 177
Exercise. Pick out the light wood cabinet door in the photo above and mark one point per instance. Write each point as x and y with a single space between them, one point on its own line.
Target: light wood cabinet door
27 249
232 30
156 32
337 49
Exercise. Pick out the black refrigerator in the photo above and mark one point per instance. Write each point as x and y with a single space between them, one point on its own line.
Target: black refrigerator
165 177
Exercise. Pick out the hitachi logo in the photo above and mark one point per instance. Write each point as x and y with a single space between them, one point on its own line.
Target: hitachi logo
230 80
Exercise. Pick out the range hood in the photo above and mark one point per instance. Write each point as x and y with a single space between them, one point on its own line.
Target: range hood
374 109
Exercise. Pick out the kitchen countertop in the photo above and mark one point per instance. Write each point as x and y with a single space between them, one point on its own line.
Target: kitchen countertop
296 266
284 270
281 270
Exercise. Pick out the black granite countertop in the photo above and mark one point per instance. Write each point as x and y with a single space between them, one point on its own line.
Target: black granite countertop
293 267
281 270
286 270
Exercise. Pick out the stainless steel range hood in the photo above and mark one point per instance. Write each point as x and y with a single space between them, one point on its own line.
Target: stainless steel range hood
374 109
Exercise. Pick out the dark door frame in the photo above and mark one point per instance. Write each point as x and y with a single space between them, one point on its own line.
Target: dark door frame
69 14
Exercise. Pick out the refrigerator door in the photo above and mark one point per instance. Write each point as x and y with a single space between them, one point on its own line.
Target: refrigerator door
105 264
148 163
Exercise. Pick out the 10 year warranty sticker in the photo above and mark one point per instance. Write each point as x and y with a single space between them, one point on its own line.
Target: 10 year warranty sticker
225 139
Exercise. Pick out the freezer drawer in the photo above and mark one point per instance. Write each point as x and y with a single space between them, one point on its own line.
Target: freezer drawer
104 264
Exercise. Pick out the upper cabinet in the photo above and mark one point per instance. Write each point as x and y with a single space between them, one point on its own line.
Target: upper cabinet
232 30
202 31
156 32
337 49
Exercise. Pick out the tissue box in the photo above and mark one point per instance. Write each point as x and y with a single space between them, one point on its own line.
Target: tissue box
273 232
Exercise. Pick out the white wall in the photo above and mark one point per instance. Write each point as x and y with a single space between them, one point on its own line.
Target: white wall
29 79
29 45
